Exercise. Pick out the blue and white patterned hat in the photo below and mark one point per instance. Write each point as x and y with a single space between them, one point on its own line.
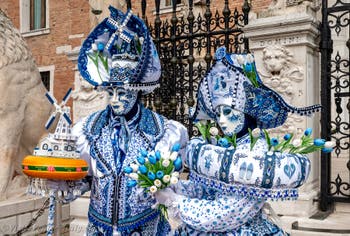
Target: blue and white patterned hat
120 52
233 81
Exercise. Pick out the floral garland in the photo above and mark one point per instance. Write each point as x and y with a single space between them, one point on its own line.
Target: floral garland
304 145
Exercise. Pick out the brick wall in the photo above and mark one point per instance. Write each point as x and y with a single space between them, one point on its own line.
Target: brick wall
256 6
69 24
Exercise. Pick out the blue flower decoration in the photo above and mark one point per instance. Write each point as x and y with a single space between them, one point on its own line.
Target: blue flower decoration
151 175
327 150
132 183
144 152
274 142
158 155
248 67
176 147
159 174
100 46
319 142
178 164
152 160
128 170
287 137
308 131
143 169
141 160
223 142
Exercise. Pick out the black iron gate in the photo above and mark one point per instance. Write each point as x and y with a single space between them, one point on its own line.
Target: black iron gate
335 98
186 46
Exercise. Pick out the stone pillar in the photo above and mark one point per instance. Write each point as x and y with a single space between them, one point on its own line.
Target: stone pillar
284 42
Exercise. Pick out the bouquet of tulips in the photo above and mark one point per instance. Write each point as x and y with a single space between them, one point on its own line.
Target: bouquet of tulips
155 171
304 145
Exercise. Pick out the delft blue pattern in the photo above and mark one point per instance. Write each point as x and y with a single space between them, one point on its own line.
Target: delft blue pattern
266 185
134 212
269 170
261 103
257 226
140 77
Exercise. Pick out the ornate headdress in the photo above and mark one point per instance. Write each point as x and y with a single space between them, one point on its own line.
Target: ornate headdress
120 52
233 81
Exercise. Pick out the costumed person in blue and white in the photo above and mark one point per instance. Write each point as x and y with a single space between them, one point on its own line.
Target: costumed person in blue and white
229 184
119 57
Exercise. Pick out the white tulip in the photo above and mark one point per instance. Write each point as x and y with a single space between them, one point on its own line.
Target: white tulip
153 189
213 131
174 180
173 156
166 163
256 132
175 174
157 183
134 176
166 178
165 155
134 167
329 144
94 47
296 142
250 58
240 59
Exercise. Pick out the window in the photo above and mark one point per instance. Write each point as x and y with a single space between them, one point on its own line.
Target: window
166 6
34 18
168 3
37 14
47 77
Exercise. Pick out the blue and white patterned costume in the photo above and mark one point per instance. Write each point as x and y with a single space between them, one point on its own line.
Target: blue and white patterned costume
101 142
119 57
227 187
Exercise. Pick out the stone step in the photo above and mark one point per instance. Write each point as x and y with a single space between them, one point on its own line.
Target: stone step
336 224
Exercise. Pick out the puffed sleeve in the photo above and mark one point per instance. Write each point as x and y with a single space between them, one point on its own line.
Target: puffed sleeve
225 213
174 133
255 167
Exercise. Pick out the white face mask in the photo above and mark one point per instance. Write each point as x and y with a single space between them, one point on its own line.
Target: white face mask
121 100
230 121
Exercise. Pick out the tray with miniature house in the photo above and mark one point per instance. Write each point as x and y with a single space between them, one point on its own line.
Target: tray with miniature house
56 156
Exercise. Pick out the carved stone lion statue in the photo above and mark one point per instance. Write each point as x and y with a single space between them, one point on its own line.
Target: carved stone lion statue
282 73
23 106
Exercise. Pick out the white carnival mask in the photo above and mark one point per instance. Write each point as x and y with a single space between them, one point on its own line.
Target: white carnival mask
121 100
230 120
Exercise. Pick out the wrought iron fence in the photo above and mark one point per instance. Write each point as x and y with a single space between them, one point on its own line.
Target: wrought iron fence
185 45
335 98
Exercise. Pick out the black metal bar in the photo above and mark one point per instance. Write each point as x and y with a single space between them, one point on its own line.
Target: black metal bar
143 9
190 59
208 15
174 60
226 13
246 10
157 23
326 50
128 4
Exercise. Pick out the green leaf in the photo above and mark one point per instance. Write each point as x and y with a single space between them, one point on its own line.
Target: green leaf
267 137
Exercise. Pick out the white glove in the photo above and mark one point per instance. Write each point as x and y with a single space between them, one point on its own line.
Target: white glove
167 197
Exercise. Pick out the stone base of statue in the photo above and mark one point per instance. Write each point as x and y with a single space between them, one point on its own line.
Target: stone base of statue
15 214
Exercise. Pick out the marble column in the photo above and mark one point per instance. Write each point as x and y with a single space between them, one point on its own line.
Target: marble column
284 42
